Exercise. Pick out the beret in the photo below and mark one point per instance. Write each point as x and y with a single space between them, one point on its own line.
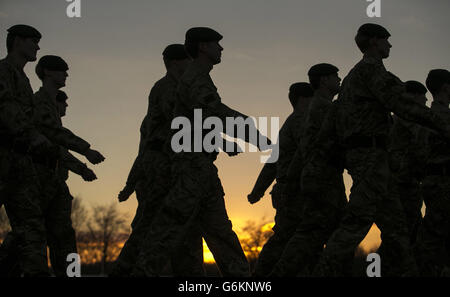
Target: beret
436 79
413 86
373 30
61 96
322 69
302 89
202 34
175 52
24 31
53 63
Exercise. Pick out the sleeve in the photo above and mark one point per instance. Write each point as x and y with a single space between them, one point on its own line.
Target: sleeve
136 170
72 163
265 178
390 92
50 125
12 118
203 94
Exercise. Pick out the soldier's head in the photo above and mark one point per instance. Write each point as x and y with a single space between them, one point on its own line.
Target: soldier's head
23 40
53 70
417 90
176 59
438 83
325 76
373 39
203 43
299 92
61 102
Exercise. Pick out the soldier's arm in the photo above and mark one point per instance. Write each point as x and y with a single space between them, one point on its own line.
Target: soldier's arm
294 173
48 121
390 91
265 179
204 95
136 171
73 164
13 120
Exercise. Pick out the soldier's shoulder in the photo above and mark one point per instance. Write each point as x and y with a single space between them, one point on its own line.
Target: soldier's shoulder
195 75
5 69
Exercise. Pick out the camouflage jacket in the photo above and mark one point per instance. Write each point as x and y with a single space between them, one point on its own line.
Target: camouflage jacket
155 127
369 94
438 149
48 122
16 103
69 162
407 146
288 140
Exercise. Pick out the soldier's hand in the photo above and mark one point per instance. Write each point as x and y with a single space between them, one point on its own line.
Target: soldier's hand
254 197
125 193
88 175
94 156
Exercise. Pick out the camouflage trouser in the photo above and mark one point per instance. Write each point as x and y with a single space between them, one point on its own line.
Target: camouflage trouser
22 205
195 199
431 250
56 204
324 203
287 217
150 193
369 203
9 257
410 196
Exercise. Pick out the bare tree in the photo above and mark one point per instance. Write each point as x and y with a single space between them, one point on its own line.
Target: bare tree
106 226
254 236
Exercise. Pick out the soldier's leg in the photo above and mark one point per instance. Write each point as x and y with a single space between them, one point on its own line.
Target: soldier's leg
273 248
369 170
27 222
397 257
9 257
174 219
287 218
221 239
321 216
435 227
188 257
60 233
127 258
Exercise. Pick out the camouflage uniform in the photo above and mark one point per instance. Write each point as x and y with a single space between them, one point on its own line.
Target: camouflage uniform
20 184
286 216
431 250
407 164
56 201
323 196
151 177
369 93
196 195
